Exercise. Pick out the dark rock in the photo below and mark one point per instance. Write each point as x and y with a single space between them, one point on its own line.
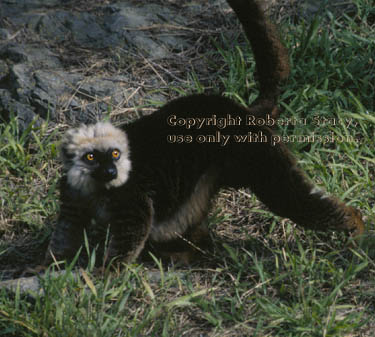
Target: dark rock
44 105
4 34
80 28
37 56
48 41
4 70
21 82
9 107
140 27
52 27
15 53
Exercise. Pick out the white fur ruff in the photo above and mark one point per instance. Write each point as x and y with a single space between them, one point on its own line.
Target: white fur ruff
101 136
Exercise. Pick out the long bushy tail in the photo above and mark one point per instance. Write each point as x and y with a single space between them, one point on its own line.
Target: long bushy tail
275 177
271 56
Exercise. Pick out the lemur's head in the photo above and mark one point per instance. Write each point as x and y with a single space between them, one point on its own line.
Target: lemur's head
96 155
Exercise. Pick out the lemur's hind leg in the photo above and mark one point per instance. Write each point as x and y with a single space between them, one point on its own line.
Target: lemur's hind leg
184 248
274 177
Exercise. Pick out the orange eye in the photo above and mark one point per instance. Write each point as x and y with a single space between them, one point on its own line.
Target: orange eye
116 154
90 156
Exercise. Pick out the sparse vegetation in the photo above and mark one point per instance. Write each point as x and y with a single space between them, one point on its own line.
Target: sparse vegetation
264 276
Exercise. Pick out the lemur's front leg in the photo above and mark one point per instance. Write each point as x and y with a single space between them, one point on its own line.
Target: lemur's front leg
68 234
131 219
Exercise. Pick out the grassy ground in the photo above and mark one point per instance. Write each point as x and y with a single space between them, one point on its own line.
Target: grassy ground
264 276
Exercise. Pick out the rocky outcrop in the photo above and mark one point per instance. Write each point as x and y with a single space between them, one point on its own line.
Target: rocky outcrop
77 60
48 51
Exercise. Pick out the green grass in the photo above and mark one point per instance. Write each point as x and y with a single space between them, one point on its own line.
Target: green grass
264 277
28 178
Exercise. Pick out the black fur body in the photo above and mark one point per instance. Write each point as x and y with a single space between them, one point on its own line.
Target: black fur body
169 188
162 191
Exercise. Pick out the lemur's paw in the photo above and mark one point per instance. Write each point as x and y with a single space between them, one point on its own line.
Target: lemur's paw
355 224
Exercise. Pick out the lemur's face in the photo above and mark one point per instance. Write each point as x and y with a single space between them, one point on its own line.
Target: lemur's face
102 164
96 156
